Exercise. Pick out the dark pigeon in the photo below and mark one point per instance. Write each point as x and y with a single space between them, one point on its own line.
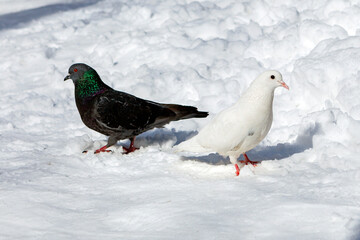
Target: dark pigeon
117 114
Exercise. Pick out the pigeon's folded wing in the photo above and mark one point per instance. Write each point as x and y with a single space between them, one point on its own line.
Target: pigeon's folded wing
120 110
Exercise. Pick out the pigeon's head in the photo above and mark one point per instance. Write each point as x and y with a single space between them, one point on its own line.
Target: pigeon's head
77 71
271 79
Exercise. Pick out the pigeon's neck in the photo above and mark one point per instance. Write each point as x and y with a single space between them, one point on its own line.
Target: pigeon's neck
89 85
258 95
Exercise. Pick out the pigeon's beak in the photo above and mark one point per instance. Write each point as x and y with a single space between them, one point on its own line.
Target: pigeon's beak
67 77
284 84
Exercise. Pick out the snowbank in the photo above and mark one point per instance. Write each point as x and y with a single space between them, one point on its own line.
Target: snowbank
201 53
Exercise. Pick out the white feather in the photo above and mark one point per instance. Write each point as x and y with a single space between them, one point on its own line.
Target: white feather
242 126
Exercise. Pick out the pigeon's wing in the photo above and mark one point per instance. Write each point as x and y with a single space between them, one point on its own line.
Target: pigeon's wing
118 110
224 132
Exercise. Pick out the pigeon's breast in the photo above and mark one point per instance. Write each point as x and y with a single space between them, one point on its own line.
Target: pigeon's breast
253 130
87 114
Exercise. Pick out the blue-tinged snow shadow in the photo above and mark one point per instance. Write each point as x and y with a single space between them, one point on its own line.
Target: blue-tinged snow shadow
356 234
285 150
12 20
161 136
265 153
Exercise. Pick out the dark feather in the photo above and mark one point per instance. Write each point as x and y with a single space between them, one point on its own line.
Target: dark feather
121 115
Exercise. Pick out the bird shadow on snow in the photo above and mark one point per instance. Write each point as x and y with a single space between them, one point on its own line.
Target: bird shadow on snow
264 153
12 20
162 136
356 232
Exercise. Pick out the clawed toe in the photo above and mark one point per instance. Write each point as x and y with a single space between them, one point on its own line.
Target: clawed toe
103 149
97 151
251 162
130 149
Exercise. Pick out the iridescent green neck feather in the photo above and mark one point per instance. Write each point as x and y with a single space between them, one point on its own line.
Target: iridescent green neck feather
89 85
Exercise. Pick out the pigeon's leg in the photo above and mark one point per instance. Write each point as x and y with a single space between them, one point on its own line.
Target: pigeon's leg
102 149
247 161
233 160
237 172
131 148
111 141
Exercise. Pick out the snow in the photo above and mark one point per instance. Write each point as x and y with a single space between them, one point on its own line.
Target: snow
201 53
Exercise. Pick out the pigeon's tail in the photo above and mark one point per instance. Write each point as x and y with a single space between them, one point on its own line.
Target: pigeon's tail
185 112
191 145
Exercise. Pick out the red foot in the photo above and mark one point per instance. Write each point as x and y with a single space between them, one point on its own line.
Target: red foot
131 148
103 149
247 161
237 169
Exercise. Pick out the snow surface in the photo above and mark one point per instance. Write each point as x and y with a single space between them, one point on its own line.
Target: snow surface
201 53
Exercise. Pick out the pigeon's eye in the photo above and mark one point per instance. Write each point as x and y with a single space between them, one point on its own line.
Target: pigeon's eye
75 69
272 77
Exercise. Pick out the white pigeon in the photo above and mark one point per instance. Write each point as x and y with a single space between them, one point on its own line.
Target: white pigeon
241 127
